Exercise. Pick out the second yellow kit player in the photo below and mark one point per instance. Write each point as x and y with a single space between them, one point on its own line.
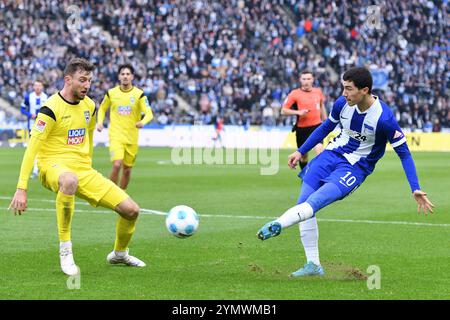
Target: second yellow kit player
127 104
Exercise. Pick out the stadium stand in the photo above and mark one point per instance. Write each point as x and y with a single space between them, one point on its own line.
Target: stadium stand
237 59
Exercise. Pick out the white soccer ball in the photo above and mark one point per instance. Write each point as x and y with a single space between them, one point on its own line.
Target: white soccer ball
182 221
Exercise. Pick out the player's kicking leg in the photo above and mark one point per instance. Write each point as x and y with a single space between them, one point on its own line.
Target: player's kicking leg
128 211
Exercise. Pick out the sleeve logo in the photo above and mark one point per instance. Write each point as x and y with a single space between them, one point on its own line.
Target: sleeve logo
398 134
40 125
76 136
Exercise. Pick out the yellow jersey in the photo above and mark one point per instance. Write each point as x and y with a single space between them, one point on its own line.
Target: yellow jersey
62 133
127 108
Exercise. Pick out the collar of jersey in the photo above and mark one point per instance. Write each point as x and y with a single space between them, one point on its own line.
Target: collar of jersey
72 103
375 102
132 87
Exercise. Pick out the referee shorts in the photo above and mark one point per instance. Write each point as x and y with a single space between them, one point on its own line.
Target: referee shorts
301 134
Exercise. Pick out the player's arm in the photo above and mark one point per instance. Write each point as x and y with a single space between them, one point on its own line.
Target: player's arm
290 107
398 142
320 133
44 124
145 108
316 137
323 112
102 111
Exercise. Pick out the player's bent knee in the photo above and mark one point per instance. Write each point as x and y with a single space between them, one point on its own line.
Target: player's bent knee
132 212
68 183
117 165
128 209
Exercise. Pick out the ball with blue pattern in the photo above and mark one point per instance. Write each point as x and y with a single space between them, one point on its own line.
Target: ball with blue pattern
182 221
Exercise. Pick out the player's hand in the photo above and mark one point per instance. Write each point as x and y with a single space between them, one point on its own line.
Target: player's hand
302 112
100 127
293 159
139 125
33 116
19 202
423 202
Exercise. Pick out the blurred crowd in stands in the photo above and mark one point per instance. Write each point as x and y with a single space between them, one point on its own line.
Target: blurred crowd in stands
236 60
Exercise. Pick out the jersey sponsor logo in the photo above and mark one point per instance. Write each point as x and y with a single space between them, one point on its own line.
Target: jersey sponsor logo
87 116
124 110
40 125
356 135
398 134
76 136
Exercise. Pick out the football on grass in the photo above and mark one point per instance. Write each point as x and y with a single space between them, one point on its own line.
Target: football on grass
182 221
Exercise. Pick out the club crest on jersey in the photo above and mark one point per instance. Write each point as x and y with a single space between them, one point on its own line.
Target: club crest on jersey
76 136
124 110
132 100
87 116
40 125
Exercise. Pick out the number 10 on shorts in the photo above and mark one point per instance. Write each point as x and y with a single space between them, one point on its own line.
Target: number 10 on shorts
348 180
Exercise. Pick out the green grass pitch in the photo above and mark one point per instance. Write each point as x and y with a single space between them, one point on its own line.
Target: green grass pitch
224 259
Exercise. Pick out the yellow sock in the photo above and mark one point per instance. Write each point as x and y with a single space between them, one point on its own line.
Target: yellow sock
65 205
124 231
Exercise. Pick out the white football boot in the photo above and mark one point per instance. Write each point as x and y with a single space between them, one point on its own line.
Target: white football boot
68 265
124 258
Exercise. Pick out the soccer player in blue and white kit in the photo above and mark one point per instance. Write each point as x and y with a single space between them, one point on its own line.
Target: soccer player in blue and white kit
30 106
366 124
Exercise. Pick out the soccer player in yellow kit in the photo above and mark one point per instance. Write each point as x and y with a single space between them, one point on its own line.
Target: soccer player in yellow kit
61 138
127 104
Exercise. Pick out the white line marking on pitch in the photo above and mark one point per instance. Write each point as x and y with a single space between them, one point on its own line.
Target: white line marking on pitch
162 213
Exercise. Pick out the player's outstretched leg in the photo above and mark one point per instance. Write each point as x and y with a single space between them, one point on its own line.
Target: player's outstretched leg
126 224
270 229
292 216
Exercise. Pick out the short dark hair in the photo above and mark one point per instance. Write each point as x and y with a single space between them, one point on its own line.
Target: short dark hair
307 72
78 64
360 77
40 80
126 66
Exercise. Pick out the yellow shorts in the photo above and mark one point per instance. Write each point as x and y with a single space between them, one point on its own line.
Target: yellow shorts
92 186
123 151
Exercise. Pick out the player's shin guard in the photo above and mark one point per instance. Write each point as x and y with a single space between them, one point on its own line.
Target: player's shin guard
65 205
300 212
124 231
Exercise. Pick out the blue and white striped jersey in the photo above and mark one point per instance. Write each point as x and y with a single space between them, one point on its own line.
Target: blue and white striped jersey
364 135
32 103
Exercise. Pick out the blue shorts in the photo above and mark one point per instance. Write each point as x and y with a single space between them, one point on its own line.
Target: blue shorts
330 166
